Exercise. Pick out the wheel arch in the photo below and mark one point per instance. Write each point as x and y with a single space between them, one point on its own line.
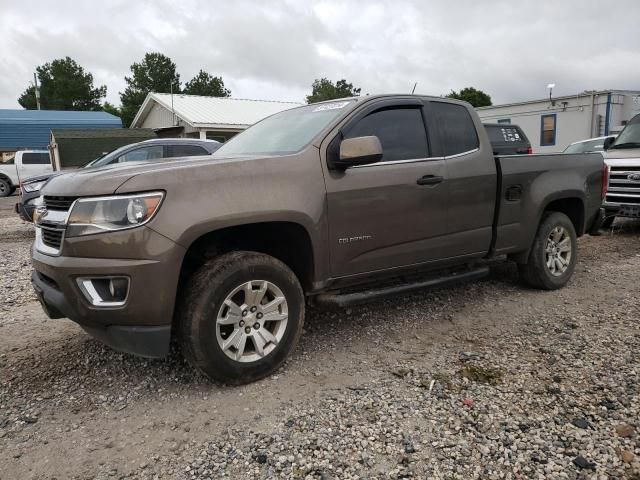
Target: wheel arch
573 206
289 242
7 178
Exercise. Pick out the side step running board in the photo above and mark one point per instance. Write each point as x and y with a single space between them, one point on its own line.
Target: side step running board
348 299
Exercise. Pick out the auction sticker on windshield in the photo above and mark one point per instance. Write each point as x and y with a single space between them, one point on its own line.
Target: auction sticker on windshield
330 106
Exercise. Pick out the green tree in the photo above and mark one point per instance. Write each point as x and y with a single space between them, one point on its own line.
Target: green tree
64 85
475 97
324 89
155 73
206 84
112 109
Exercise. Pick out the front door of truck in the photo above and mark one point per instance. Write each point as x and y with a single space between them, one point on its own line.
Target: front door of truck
391 213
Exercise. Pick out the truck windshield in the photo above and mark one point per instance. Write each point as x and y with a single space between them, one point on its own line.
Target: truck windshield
585 147
630 136
284 132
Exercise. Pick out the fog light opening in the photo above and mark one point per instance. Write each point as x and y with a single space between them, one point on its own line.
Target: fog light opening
105 291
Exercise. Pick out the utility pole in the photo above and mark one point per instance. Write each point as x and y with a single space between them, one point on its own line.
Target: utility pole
173 113
35 83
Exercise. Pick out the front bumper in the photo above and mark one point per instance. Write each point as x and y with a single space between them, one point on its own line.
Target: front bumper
622 210
142 325
144 341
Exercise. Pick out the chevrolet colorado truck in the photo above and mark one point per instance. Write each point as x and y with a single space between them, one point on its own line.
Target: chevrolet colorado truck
622 156
333 203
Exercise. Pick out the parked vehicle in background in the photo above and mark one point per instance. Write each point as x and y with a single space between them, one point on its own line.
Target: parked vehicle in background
146 151
507 139
26 163
622 156
339 202
589 145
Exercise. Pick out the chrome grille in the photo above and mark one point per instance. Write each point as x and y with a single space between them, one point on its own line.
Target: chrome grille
52 237
58 203
623 185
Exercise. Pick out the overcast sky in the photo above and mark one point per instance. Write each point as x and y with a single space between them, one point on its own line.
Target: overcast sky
275 49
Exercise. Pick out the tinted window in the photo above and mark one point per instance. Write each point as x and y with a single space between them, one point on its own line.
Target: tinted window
400 130
35 159
457 130
142 154
186 151
503 134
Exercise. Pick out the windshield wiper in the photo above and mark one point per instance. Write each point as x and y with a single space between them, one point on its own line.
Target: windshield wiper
626 145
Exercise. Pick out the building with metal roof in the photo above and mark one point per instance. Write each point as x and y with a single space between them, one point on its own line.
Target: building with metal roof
30 129
194 116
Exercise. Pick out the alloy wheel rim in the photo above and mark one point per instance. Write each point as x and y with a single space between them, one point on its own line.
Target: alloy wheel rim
3 187
558 251
252 321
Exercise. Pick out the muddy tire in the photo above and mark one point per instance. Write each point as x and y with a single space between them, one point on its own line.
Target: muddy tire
241 315
552 259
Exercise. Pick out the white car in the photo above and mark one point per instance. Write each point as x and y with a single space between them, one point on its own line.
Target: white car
26 163
589 145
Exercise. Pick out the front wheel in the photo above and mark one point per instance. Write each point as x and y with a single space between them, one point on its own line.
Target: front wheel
241 316
552 259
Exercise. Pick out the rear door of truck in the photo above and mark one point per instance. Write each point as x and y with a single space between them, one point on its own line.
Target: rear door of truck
471 177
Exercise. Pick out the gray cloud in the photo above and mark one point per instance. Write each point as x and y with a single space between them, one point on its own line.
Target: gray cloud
274 50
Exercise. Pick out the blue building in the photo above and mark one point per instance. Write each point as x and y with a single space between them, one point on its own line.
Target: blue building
31 129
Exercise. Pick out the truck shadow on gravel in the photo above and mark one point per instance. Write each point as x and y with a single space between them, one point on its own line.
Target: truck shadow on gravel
89 372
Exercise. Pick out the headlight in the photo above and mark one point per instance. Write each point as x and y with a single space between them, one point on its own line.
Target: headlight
118 212
33 187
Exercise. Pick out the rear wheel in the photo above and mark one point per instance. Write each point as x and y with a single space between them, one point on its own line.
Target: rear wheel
552 259
241 316
5 188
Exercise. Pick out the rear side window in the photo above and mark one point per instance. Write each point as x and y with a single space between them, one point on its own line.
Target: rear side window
400 130
504 134
35 159
457 130
143 154
186 151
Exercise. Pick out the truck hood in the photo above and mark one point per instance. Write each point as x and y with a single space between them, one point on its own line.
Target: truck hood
621 153
106 180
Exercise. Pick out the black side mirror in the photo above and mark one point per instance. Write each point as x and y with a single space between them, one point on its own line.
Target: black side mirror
358 151
608 142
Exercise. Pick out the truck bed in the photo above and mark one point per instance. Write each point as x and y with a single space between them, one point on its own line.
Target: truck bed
528 183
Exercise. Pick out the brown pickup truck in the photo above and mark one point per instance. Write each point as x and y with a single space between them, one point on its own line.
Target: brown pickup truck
333 203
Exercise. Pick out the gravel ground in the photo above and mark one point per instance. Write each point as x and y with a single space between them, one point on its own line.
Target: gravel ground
482 380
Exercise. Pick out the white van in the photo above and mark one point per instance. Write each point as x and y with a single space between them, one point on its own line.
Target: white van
26 163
